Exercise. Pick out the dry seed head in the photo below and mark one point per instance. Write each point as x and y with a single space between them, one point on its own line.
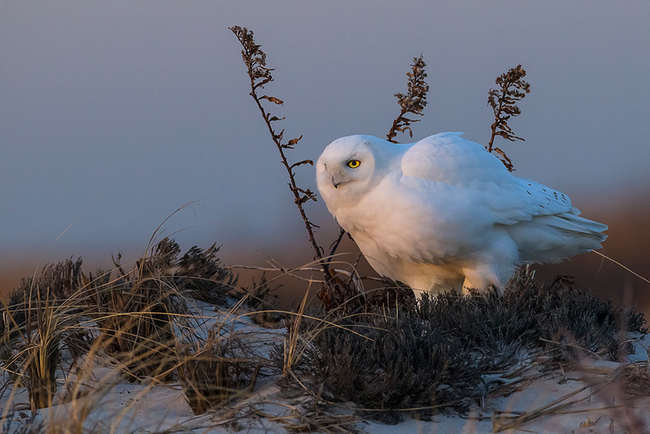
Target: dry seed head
413 102
512 88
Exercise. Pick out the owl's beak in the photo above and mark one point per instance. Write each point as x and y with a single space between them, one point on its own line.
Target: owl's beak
338 179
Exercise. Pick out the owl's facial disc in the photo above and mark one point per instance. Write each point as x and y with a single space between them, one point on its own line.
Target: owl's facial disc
345 171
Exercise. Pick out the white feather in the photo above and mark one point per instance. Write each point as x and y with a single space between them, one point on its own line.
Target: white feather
443 212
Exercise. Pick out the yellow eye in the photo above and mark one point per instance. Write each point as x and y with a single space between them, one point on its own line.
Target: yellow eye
353 164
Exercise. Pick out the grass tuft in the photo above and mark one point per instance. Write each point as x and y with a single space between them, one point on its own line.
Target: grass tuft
138 312
259 301
217 370
38 325
201 273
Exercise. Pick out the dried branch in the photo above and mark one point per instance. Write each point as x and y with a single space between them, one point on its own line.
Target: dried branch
335 293
512 88
255 60
413 102
292 272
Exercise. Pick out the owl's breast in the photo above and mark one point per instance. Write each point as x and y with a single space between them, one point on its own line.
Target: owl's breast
412 224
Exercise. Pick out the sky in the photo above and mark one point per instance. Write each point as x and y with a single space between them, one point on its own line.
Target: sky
115 114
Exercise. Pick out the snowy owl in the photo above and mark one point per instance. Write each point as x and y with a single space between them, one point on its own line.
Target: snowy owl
444 213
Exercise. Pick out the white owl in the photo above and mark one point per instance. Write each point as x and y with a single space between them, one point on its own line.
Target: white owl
443 212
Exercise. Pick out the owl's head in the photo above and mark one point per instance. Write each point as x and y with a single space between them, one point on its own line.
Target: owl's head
350 167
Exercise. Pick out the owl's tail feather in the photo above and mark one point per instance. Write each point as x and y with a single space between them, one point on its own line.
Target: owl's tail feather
578 226
552 238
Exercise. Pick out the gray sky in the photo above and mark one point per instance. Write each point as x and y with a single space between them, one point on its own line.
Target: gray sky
117 113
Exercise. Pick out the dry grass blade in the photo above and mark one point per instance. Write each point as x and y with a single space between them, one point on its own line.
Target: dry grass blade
318 422
37 324
142 313
559 405
138 312
637 379
553 407
263 312
621 265
291 353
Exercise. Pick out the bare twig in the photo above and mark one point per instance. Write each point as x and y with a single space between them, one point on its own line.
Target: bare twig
512 88
291 272
336 243
413 102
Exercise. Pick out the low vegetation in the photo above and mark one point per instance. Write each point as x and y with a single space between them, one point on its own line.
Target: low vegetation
390 358
64 323
437 353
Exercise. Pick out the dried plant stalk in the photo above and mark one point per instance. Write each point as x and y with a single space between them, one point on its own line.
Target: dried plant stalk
413 102
255 60
512 88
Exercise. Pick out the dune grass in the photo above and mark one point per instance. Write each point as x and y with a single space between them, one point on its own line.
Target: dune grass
59 326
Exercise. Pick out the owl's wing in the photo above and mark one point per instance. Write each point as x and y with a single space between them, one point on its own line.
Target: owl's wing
445 168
